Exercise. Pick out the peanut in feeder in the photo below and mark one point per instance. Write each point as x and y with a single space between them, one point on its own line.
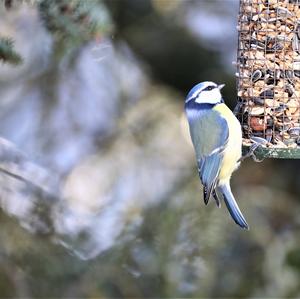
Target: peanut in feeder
268 76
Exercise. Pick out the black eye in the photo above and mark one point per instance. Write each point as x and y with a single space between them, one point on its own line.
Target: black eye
211 87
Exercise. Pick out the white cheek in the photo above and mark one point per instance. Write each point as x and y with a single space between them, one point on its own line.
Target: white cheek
209 97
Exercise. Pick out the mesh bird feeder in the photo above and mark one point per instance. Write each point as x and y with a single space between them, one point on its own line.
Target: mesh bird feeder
268 76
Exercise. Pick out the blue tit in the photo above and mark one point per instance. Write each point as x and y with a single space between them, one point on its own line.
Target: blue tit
217 138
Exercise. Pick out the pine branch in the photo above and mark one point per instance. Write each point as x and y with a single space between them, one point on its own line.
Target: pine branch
16 166
7 52
75 21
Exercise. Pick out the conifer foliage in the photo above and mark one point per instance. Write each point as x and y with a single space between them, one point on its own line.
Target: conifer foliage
71 22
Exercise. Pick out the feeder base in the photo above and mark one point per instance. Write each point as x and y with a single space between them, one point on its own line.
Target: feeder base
263 152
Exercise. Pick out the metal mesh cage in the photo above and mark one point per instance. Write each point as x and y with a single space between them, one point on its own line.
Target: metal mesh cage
268 75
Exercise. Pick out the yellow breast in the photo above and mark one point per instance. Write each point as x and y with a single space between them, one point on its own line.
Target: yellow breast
233 149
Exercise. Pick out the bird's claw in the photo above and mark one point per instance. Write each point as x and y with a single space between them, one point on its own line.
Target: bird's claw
251 153
253 147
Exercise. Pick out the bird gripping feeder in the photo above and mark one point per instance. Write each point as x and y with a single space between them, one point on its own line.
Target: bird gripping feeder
268 76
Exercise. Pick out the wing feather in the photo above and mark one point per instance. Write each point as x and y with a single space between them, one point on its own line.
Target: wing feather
209 132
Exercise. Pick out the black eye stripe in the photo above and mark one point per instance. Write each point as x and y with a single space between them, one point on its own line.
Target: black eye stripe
210 87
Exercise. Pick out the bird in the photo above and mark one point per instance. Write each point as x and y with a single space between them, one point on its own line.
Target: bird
217 139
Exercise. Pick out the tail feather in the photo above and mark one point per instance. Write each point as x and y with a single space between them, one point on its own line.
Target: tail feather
232 206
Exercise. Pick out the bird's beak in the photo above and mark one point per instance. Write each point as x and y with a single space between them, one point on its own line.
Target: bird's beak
221 86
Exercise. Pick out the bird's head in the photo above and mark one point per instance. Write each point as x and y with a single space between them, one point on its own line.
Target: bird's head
205 93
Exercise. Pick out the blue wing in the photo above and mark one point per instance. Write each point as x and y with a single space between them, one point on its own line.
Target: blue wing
209 168
209 132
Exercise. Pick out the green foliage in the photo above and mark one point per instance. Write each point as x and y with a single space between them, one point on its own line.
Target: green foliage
293 259
75 21
71 22
7 52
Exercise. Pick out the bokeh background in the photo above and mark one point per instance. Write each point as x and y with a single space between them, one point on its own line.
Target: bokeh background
97 117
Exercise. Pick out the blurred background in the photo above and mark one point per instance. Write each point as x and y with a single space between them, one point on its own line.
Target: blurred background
106 201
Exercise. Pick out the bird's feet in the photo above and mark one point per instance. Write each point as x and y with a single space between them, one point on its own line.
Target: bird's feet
251 153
